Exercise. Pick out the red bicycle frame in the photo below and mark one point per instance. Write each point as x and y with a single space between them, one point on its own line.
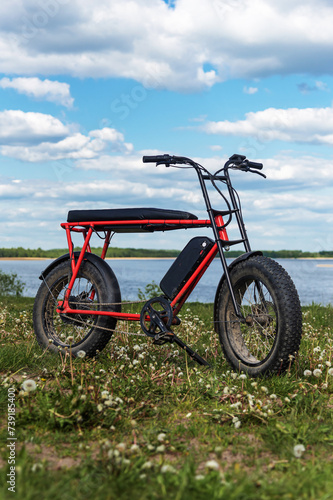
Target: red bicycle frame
87 228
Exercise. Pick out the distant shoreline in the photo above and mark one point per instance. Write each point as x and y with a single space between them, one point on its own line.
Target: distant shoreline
156 258
107 258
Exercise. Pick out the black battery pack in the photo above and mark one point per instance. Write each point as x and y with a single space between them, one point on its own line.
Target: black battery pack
186 263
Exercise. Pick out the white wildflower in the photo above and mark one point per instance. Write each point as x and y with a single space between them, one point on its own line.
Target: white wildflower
317 372
212 465
298 450
161 437
29 385
121 447
81 354
167 468
330 371
307 373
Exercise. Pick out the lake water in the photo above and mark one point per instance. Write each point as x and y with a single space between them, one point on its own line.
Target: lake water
313 278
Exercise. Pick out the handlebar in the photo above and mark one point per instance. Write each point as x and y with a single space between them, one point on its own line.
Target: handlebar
156 159
235 161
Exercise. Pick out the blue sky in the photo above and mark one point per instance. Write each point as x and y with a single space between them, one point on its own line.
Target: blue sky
87 88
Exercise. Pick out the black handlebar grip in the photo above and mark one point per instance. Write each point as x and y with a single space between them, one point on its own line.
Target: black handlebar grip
253 164
156 159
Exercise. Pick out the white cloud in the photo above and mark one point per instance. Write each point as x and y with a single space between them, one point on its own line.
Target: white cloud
250 90
20 128
75 146
192 46
310 125
48 90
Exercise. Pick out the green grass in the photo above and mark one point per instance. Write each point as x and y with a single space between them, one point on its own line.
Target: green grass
145 422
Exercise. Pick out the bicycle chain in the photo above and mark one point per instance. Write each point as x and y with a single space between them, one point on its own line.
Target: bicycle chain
102 327
108 304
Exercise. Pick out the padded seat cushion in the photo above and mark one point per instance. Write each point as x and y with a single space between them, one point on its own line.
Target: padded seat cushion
118 214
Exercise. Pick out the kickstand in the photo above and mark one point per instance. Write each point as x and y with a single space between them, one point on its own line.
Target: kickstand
194 355
169 336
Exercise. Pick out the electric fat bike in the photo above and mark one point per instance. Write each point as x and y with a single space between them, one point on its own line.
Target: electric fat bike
257 312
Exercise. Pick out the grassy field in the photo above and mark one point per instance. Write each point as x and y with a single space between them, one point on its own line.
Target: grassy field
144 422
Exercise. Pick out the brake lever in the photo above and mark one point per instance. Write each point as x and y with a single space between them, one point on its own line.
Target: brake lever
167 164
256 172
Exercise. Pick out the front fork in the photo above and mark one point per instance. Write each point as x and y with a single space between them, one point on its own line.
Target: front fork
221 235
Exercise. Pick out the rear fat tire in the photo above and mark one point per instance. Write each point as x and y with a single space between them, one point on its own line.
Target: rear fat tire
269 340
50 326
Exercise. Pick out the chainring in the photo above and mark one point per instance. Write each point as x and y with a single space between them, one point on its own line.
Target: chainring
154 310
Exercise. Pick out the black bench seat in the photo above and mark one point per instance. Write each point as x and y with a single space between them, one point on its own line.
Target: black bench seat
83 217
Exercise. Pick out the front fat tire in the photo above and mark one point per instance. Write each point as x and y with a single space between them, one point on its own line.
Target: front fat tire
269 340
52 331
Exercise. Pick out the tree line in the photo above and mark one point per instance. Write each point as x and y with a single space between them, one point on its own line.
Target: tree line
21 252
115 252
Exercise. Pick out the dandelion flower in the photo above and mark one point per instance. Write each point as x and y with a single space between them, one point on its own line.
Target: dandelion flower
29 385
212 465
298 450
242 376
307 373
167 468
317 372
121 447
99 407
330 371
147 465
161 437
81 354
160 448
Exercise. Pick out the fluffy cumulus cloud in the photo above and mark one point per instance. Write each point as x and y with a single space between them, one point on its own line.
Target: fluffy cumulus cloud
310 125
20 128
35 137
52 91
190 46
